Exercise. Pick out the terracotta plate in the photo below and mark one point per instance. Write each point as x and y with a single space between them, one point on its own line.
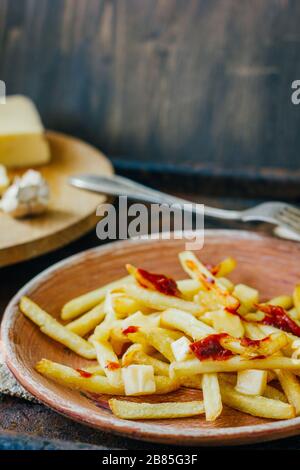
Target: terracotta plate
268 264
72 212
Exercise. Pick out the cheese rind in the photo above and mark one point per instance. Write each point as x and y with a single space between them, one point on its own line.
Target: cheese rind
22 140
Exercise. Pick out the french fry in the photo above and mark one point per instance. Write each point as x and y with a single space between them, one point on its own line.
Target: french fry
234 364
216 294
255 405
153 281
232 379
293 314
71 378
259 332
139 337
284 301
291 388
253 331
136 355
226 322
96 369
196 270
161 339
247 296
165 384
268 330
118 340
271 375
275 394
228 377
211 397
87 322
228 285
102 331
296 299
109 362
254 316
132 410
252 348
194 381
159 301
140 320
189 288
183 321
50 327
225 267
125 306
85 302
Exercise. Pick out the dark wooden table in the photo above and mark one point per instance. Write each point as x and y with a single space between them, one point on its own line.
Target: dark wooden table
33 426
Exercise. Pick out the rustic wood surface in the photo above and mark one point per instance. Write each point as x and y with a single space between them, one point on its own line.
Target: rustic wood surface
203 84
71 213
57 423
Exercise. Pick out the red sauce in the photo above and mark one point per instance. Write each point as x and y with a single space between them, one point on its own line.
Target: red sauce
112 366
159 282
277 316
233 309
130 329
213 269
84 373
211 348
250 343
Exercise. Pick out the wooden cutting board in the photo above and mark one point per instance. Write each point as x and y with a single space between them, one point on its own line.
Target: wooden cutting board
72 211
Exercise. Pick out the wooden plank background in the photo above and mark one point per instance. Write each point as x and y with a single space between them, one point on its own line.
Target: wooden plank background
202 84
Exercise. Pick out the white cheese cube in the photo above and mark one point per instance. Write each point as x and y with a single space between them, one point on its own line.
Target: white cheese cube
226 322
247 296
181 349
138 380
251 382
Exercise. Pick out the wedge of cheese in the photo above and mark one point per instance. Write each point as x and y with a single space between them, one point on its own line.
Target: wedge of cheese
4 180
22 140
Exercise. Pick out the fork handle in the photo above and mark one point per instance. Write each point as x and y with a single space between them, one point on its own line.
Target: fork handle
120 186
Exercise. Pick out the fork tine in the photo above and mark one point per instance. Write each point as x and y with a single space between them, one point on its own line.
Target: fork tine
293 210
289 221
291 216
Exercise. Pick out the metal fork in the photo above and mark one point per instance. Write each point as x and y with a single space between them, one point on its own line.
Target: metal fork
278 213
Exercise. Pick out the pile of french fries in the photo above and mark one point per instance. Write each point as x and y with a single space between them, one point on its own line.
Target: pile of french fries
147 334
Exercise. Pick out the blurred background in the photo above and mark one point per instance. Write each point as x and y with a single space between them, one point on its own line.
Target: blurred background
194 92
